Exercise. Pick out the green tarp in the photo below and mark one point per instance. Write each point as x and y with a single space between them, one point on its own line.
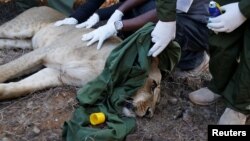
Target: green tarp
63 6
125 71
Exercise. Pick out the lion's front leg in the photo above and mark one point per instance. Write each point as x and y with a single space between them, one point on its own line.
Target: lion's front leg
15 43
22 65
43 79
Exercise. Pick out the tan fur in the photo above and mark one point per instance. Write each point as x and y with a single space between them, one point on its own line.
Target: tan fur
66 58
146 98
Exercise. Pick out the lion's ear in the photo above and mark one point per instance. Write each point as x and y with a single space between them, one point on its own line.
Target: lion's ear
157 92
153 85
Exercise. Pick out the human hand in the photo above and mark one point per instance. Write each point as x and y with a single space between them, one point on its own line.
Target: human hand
90 22
100 35
116 16
227 22
162 34
66 21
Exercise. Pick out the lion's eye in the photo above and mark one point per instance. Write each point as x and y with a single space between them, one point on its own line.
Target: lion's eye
128 104
153 86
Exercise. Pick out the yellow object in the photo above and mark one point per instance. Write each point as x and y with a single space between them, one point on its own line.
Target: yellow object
97 118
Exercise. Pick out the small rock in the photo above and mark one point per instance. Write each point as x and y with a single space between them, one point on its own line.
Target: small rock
173 100
36 130
30 105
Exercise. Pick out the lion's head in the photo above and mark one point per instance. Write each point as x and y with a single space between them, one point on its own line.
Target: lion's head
144 101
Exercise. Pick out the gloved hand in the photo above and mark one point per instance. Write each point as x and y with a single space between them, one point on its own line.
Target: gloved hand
66 21
231 19
162 34
116 16
101 34
90 22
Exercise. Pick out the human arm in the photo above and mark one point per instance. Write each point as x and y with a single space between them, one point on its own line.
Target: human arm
165 28
108 30
86 10
100 15
130 4
105 13
166 10
126 6
66 21
92 20
231 18
82 13
137 22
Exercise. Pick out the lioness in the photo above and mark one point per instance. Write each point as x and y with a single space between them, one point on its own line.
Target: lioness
65 58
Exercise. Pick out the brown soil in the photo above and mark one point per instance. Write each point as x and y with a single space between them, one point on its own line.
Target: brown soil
40 116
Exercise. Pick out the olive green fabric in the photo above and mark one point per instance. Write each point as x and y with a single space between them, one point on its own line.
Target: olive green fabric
230 67
244 6
63 6
125 71
170 57
26 4
166 10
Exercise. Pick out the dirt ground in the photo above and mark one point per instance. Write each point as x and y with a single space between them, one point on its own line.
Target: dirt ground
39 116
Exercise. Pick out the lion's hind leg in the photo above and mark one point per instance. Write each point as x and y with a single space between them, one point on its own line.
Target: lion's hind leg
18 32
45 78
25 25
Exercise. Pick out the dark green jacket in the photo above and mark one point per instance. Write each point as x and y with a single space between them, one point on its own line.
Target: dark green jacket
244 5
245 8
166 10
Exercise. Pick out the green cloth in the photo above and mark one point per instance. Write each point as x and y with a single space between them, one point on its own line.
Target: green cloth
125 71
63 6
170 57
26 4
231 78
166 10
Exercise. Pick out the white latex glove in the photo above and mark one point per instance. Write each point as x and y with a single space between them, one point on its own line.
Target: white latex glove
100 34
162 34
231 19
90 22
116 16
66 21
